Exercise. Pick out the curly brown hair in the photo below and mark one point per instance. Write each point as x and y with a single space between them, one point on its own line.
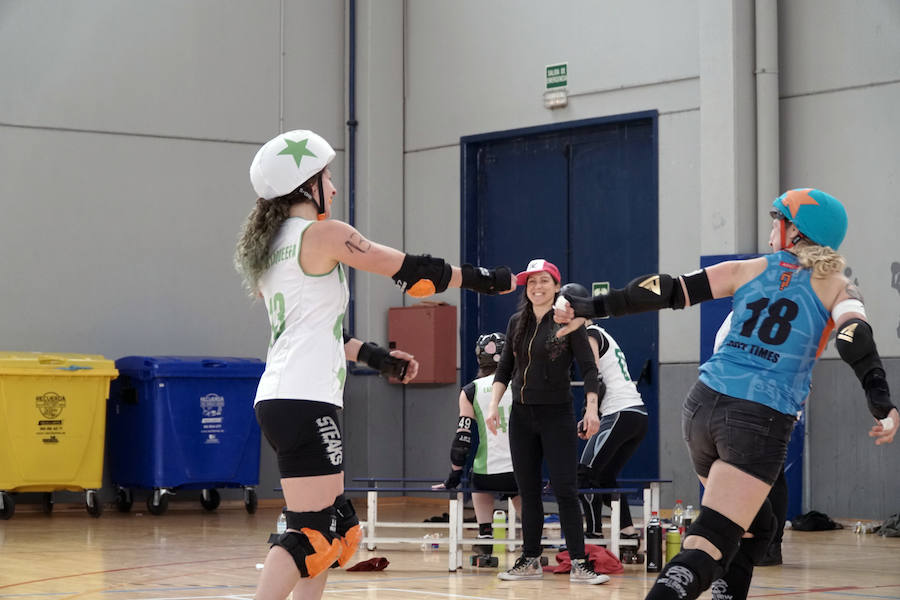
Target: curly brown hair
252 251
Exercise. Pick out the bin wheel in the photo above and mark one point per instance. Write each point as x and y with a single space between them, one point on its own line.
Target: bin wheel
250 500
92 503
210 499
157 502
124 500
47 503
7 506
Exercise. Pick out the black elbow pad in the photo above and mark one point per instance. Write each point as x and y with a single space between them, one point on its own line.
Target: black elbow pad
856 346
646 293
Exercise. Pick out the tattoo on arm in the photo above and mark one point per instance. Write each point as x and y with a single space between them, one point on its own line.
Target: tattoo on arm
853 292
357 243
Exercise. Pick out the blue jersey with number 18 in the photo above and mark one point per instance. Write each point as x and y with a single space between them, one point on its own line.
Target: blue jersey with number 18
778 330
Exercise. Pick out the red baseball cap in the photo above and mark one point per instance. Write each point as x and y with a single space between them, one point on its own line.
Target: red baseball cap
536 266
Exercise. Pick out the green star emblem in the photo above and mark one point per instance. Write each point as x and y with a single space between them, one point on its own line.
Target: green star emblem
296 149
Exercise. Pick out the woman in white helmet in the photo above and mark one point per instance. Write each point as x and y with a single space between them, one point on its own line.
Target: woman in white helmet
738 417
292 256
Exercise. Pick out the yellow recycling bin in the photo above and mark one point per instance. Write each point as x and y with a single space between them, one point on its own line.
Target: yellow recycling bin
52 425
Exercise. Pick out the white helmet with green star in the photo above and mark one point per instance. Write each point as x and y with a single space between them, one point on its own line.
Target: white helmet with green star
287 161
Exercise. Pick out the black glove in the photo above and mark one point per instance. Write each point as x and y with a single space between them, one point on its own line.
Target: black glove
590 308
453 479
486 281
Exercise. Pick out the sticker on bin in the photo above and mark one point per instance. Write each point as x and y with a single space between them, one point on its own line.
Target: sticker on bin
211 407
50 405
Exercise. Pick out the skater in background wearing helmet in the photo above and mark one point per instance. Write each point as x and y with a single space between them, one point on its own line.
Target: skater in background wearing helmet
623 424
292 255
737 419
492 471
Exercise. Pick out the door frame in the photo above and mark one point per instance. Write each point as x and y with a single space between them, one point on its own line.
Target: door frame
468 243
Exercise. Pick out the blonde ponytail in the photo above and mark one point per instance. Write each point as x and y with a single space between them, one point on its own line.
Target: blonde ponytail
821 259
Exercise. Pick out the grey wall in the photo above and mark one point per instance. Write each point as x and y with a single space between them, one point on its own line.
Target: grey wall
126 134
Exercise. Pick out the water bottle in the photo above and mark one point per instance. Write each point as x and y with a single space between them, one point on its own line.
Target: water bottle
678 515
499 526
688 517
654 544
281 523
673 542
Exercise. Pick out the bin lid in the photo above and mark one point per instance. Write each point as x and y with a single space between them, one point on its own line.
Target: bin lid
219 367
47 363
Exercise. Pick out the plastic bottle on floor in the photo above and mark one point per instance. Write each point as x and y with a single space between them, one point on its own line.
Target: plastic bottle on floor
654 544
281 523
678 515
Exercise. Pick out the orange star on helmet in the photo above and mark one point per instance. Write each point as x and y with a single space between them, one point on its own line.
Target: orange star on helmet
794 199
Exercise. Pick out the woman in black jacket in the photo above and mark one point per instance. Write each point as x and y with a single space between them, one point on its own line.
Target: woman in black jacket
542 420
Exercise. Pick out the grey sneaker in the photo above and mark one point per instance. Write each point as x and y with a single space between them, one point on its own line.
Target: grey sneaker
526 567
583 572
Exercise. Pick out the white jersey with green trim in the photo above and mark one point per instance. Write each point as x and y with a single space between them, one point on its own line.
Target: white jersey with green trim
621 391
493 455
306 359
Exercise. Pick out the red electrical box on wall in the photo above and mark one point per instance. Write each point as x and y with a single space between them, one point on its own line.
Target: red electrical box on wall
427 331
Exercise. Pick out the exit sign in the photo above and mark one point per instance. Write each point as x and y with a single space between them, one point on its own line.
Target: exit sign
557 75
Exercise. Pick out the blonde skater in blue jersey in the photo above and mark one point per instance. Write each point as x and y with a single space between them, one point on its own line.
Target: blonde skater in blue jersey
738 418
292 255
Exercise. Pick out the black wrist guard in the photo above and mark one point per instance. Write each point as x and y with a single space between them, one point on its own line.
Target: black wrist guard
486 281
381 360
462 441
878 394
589 308
453 479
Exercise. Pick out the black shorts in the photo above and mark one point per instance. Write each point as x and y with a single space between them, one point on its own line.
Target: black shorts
305 435
747 435
502 483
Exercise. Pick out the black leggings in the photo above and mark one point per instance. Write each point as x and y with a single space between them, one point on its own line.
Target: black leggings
539 432
603 459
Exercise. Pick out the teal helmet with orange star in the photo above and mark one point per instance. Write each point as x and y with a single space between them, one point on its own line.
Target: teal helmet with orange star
289 160
819 217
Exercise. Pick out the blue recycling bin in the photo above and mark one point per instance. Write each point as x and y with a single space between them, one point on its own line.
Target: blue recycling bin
183 422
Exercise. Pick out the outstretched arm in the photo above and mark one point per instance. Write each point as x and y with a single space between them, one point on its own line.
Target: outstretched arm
659 291
334 241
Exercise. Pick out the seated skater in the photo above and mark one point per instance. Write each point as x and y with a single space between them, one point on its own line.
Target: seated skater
623 424
492 471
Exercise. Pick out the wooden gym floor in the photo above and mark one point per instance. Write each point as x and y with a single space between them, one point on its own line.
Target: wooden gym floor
187 554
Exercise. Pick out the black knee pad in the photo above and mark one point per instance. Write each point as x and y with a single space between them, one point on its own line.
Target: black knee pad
722 532
348 529
764 527
686 576
314 545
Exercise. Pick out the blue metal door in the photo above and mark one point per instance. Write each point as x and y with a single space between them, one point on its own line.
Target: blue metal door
582 195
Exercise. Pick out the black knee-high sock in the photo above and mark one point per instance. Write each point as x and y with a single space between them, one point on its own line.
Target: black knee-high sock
734 584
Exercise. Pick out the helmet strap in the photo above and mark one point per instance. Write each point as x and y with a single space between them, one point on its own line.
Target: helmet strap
321 204
785 243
